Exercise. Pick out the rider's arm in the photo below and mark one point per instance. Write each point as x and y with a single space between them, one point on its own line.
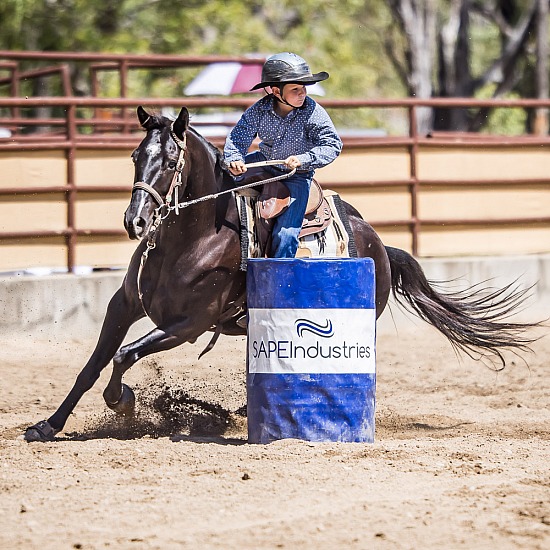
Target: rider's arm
327 144
240 138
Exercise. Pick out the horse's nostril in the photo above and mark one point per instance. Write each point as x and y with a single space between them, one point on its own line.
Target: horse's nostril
138 226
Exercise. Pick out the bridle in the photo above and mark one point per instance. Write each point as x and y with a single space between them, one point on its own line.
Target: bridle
163 204
176 178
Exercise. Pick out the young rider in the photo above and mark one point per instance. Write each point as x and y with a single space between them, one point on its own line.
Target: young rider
291 127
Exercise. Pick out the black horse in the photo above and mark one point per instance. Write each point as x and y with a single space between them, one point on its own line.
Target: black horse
185 273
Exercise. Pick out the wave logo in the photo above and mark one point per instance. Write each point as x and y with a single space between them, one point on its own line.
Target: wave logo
305 325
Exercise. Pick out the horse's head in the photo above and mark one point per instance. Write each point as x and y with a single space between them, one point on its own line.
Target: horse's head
159 166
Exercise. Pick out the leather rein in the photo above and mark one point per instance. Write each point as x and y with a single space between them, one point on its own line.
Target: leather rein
164 204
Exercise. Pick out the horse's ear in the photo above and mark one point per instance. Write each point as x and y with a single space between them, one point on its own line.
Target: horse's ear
143 116
181 123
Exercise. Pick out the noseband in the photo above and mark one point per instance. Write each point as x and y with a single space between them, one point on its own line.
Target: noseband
176 179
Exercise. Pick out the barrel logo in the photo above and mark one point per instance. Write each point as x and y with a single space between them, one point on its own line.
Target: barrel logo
311 340
306 325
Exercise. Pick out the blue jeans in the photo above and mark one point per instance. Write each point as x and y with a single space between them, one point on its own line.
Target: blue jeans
287 226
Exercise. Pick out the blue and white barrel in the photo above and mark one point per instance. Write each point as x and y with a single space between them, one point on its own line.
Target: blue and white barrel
311 363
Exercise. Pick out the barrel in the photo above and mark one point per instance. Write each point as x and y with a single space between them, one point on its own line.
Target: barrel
311 363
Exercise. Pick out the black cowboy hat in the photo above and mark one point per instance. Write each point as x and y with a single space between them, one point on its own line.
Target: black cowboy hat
284 68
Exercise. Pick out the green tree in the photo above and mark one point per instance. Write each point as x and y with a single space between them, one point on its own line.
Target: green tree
372 49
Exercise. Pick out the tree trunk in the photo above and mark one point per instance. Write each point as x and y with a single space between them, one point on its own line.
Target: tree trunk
515 22
541 115
417 19
454 76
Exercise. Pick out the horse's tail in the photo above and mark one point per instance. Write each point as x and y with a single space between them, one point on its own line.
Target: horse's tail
474 320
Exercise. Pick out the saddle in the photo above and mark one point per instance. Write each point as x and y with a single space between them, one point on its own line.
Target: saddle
274 198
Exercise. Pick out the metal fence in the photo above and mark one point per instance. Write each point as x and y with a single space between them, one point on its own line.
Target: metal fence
77 124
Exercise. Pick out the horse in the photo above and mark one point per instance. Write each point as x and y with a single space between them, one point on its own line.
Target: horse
186 275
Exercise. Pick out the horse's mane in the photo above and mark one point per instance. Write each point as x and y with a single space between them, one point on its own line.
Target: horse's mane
161 121
212 149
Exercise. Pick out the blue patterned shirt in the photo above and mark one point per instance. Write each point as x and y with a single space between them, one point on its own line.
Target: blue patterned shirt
307 133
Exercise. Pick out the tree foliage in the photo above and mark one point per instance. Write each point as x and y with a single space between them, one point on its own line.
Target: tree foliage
379 48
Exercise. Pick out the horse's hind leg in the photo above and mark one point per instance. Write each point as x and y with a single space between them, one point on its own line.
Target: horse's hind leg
117 395
115 326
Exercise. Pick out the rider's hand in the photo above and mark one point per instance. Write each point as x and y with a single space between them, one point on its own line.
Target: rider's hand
293 162
237 167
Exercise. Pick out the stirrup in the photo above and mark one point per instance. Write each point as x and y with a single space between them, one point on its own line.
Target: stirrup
242 321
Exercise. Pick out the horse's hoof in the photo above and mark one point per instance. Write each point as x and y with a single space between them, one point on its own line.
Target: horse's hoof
42 431
126 405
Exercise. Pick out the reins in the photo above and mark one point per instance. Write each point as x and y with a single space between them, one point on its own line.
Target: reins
182 205
164 204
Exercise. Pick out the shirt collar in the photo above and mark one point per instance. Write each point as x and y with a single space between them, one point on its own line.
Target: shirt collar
268 104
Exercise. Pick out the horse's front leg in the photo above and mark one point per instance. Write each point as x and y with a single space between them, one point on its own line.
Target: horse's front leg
118 319
119 396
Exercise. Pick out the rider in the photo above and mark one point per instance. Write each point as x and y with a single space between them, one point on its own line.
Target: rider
291 127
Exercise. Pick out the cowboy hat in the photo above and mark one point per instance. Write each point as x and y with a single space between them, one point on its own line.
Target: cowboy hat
283 68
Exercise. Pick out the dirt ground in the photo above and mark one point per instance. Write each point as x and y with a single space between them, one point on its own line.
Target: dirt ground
461 457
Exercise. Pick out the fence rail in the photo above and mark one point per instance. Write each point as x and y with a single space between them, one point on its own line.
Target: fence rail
77 115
